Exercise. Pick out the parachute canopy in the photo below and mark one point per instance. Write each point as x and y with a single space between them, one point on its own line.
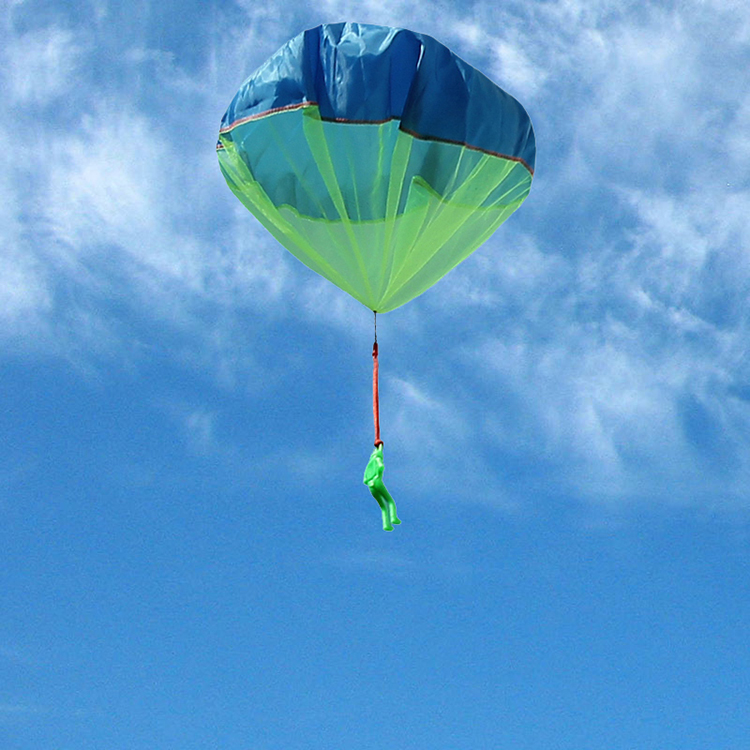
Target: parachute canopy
376 156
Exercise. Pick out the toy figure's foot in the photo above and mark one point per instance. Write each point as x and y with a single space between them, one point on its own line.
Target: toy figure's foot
386 521
395 521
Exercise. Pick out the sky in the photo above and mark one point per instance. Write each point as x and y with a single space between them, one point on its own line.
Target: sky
188 557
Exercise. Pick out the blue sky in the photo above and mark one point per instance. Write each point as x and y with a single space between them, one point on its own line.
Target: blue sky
189 558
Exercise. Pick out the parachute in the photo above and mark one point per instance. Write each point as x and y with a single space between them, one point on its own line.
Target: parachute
377 157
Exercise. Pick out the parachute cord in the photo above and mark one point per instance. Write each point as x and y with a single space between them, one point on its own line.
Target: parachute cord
375 398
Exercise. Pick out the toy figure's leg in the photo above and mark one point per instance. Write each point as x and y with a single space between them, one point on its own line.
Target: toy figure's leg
375 491
386 515
389 502
391 507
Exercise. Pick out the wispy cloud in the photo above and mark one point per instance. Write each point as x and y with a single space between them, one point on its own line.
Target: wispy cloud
611 346
623 328
103 205
201 430
43 65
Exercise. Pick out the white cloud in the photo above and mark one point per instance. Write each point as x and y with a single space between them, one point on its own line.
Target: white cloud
398 13
102 203
495 36
738 145
104 186
624 325
24 291
516 69
435 439
112 220
423 420
200 428
600 420
40 66
509 269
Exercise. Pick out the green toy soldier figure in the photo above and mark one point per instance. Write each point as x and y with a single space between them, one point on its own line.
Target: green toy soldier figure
374 480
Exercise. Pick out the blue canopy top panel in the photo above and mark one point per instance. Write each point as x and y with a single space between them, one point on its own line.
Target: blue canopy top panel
361 73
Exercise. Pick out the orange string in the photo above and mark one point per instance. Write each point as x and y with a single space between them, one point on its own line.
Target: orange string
375 399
